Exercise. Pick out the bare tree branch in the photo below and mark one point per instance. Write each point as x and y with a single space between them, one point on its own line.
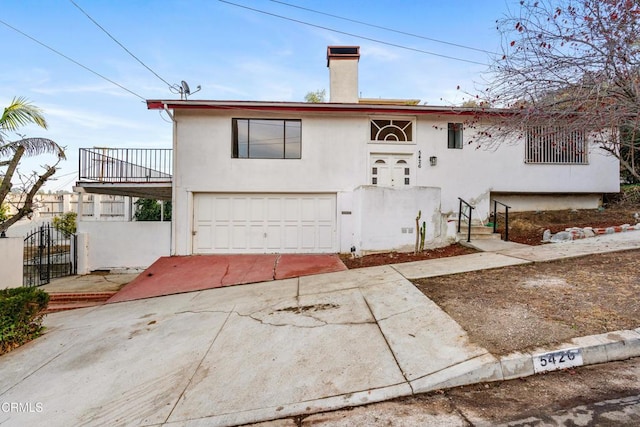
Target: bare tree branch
570 63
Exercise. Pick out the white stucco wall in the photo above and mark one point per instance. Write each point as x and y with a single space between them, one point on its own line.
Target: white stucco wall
122 245
336 152
11 260
386 217
473 173
334 159
550 202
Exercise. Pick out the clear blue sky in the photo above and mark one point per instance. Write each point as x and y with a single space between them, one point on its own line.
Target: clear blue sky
232 52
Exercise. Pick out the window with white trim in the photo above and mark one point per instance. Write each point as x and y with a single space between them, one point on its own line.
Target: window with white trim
555 145
391 130
266 139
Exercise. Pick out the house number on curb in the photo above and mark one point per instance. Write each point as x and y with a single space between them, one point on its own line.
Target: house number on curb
557 360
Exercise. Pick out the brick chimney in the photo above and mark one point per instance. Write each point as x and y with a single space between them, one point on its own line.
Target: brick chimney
343 73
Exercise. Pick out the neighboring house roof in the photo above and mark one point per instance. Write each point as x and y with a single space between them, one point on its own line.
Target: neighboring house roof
381 108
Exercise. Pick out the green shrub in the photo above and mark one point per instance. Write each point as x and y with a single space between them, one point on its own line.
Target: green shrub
66 223
149 210
20 316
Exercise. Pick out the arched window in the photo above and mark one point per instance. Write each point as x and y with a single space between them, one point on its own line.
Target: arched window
392 130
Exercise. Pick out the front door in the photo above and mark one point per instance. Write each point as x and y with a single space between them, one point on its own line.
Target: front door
390 170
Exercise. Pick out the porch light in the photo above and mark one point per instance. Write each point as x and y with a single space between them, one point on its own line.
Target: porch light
433 160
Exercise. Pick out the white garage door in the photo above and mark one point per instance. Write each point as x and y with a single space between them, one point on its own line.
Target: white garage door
264 223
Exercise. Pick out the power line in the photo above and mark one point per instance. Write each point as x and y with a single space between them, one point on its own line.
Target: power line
70 59
120 44
351 34
383 28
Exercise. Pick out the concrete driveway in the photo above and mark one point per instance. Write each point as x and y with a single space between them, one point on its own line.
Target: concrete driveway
240 354
176 274
250 353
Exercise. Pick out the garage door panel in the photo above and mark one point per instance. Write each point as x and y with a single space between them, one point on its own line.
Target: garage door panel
239 209
257 207
205 211
239 236
308 237
290 236
255 236
220 209
324 237
219 235
274 209
291 209
325 209
264 223
204 238
273 237
308 209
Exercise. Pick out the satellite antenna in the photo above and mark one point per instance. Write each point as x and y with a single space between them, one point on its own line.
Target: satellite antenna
184 89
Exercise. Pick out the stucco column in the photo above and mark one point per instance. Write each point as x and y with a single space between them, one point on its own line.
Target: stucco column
11 261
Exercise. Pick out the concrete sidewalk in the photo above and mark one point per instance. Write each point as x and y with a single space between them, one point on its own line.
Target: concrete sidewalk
269 350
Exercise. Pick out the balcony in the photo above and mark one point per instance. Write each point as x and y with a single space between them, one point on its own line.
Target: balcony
136 172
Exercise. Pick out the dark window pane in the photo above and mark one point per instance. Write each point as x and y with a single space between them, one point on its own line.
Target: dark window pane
374 171
374 180
266 137
292 141
406 171
242 142
454 135
406 181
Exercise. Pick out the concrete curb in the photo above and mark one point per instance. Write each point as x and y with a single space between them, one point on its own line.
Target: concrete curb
594 349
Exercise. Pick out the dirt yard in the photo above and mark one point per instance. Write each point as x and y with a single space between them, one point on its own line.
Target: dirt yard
524 227
524 307
527 227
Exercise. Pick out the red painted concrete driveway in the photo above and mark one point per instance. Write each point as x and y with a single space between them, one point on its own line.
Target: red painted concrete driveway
173 275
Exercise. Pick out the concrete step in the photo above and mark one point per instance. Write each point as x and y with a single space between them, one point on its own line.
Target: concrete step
60 297
63 301
479 229
479 236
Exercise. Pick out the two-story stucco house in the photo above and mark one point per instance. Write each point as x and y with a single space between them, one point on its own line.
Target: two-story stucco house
352 174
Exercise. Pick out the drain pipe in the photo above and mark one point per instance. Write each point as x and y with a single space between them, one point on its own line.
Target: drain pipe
174 144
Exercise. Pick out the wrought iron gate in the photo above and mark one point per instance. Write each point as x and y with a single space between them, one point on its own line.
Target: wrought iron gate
48 253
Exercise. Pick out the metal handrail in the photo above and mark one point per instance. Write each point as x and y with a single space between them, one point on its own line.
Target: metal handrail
126 164
506 218
467 216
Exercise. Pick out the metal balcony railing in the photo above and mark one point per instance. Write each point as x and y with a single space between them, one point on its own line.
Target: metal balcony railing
126 165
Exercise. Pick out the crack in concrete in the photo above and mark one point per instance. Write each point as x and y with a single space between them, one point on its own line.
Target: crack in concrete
275 266
451 366
204 356
396 314
204 311
322 322
226 273
267 323
388 345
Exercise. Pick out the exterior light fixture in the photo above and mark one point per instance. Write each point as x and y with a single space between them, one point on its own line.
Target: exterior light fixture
433 160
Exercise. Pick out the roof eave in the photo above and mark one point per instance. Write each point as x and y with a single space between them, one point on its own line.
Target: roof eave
324 107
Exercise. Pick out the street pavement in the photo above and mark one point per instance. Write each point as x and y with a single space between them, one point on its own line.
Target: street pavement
270 350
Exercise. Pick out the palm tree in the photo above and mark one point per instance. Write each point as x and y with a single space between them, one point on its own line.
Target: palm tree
20 113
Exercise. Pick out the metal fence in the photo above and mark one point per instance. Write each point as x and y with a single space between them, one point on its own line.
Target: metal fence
48 254
132 165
